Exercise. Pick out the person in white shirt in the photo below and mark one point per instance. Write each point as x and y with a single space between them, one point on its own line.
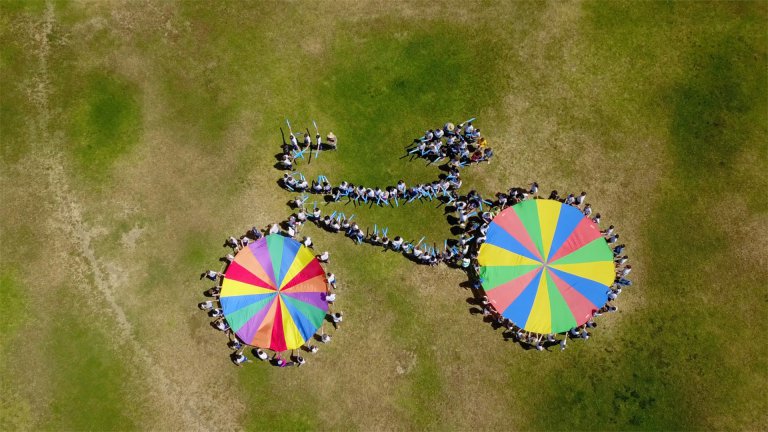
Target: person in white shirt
534 191
609 231
308 242
580 199
221 324
323 257
337 318
211 274
286 161
238 359
274 229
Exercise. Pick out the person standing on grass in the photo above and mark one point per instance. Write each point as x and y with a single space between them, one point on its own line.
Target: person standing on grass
323 257
330 297
206 305
255 233
580 199
534 191
238 358
587 210
397 243
234 343
260 354
609 231
325 337
337 318
211 274
221 324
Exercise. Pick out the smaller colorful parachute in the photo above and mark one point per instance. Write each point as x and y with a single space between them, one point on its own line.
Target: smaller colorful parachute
274 293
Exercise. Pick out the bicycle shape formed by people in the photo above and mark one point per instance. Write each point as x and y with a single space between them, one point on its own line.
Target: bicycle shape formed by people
452 147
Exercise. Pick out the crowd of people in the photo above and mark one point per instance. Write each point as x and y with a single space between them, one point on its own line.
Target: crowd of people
457 146
469 215
294 150
214 310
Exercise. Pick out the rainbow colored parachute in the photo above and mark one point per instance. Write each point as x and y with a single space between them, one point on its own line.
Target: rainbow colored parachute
274 293
545 266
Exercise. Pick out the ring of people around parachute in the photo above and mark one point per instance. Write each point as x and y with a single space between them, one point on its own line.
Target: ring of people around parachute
274 293
545 266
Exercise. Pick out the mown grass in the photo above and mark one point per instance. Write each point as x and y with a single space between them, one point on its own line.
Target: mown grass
615 83
89 393
105 125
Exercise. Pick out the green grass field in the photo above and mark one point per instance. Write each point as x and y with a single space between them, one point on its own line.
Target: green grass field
137 136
